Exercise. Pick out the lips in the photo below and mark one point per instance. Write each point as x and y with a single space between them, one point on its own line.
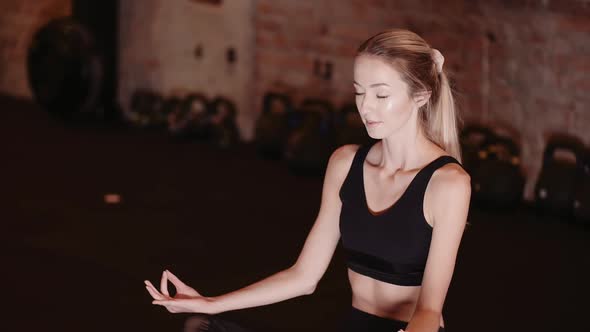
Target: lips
372 123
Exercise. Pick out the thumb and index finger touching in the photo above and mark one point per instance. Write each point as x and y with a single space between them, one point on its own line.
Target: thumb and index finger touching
174 279
163 293
166 276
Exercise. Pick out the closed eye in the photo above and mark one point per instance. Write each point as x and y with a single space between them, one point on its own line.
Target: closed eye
382 97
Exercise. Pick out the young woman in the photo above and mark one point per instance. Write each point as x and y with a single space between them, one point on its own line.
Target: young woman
399 206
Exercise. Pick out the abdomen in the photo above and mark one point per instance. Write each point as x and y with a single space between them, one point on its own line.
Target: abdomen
383 299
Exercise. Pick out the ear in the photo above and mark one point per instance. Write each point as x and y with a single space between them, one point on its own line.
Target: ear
421 98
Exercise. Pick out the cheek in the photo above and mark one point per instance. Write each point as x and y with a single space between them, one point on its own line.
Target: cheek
394 107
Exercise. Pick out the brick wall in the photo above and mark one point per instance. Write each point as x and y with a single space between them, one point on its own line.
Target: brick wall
292 35
538 74
520 64
19 20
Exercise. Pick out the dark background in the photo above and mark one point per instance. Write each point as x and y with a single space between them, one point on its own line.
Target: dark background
221 219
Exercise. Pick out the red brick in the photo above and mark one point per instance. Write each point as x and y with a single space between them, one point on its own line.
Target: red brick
576 7
265 24
266 39
574 23
349 32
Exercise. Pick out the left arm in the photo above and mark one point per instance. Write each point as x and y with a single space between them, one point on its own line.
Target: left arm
448 206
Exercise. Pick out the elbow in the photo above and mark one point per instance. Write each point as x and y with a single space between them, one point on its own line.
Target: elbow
308 284
428 311
310 289
306 281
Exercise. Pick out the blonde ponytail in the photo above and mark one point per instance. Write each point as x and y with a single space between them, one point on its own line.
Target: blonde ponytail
442 119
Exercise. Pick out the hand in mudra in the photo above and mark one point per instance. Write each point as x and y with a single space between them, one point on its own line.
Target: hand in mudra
186 299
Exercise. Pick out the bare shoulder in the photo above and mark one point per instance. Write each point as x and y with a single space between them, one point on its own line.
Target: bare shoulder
338 167
451 177
341 159
449 193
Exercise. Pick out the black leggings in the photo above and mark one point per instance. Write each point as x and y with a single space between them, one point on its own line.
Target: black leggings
211 323
358 320
355 321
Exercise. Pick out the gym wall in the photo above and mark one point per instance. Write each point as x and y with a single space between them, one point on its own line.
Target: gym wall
516 64
19 20
176 47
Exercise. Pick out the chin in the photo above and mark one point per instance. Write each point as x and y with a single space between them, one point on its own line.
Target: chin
375 134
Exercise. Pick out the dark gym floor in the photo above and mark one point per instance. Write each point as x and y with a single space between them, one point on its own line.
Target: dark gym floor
221 220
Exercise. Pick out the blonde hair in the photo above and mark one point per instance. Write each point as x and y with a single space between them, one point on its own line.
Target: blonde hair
413 58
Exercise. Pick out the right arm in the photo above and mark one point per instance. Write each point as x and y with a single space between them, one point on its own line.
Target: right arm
303 276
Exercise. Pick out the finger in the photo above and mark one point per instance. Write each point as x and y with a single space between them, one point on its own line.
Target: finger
164 303
181 287
154 292
164 284
174 279
149 284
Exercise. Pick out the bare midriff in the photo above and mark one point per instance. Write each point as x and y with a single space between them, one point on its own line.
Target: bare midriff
383 299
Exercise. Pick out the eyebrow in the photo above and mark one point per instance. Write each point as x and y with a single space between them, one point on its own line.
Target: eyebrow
373 85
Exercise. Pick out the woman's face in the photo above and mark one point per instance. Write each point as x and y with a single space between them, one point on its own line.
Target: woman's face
382 98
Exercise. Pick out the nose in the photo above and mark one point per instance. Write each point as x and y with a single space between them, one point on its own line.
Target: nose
364 106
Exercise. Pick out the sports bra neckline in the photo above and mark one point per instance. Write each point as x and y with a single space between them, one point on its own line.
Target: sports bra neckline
395 203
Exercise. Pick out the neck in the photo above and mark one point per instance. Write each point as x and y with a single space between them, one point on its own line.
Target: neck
405 149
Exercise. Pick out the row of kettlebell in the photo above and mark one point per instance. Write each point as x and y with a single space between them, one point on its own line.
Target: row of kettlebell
494 162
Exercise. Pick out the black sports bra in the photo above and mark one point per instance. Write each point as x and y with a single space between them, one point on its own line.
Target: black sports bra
391 246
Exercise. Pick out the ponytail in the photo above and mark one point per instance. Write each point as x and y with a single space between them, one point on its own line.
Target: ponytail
442 119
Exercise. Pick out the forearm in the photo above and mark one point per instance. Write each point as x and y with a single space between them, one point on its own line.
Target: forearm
281 286
424 321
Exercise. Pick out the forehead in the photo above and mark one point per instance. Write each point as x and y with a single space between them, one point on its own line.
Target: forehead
371 69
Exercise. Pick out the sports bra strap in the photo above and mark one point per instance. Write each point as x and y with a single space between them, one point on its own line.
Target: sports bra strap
423 177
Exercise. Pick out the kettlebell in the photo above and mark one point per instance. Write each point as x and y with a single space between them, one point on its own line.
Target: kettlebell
582 194
224 130
498 181
274 125
146 108
310 145
191 118
556 186
472 138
